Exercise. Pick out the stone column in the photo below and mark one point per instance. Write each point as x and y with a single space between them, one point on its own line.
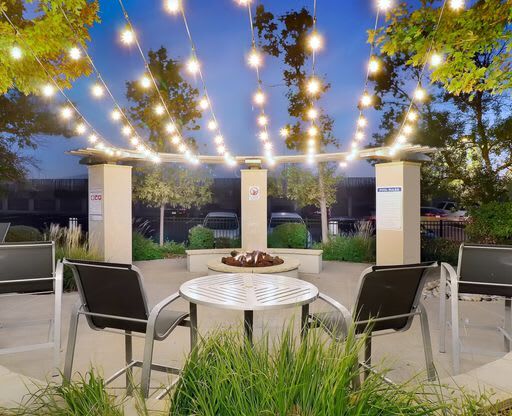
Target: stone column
398 212
254 209
110 211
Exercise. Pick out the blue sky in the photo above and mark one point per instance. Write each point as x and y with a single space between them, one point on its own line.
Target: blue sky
220 29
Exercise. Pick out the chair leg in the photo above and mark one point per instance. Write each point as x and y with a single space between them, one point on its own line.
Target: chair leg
304 321
427 344
508 323
455 328
367 355
57 326
70 350
193 325
147 361
128 359
442 310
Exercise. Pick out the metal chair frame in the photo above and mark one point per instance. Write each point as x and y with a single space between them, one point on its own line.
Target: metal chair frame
454 280
55 330
150 336
3 232
350 319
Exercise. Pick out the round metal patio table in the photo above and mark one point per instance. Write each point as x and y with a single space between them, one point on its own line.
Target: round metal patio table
247 292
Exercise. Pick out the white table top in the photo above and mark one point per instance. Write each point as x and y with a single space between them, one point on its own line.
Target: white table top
248 291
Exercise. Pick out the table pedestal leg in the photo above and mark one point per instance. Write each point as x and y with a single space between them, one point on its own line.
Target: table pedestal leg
304 320
193 325
248 325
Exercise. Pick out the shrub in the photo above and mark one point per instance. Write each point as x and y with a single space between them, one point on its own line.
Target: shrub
171 249
200 237
144 248
354 248
491 223
440 249
226 242
288 235
20 233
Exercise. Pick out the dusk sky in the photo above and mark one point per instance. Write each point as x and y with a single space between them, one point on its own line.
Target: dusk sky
220 29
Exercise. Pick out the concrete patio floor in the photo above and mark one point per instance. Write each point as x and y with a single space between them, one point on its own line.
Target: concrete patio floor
402 352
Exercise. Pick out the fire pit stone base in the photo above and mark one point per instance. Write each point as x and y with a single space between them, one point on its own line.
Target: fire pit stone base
254 262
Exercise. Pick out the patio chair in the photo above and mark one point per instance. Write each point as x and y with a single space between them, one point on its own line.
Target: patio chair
388 299
481 270
4 229
112 298
29 269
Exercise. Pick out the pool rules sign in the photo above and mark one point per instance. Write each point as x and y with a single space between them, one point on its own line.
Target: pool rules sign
96 204
389 203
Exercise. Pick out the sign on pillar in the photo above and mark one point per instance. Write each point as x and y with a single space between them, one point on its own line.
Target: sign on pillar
254 209
398 212
110 211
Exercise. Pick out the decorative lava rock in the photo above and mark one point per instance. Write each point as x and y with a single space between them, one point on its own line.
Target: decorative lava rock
252 259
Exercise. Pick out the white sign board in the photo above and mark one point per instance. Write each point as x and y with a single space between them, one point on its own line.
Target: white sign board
389 202
96 204
254 193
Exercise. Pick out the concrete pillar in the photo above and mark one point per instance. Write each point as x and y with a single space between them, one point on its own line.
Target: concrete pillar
254 209
110 211
398 212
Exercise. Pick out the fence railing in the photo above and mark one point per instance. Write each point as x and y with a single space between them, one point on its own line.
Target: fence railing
450 230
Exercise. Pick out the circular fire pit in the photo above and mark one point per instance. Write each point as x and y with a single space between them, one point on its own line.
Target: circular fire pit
254 262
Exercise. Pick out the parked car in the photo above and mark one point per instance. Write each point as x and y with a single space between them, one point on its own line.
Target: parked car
452 210
278 218
223 224
431 213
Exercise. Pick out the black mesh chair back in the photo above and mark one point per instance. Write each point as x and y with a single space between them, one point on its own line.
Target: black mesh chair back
26 261
111 289
4 228
388 291
485 264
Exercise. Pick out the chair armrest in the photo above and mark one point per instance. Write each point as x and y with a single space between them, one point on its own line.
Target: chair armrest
451 272
347 316
158 308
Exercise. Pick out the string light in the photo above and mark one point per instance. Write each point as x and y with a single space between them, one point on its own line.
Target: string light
127 36
173 6
175 139
203 103
16 53
313 86
115 115
362 122
221 149
268 146
412 116
312 131
284 132
419 94
218 139
407 129
80 128
436 59
263 135
366 100
170 128
93 138
159 110
359 135
401 139
212 125
145 82
343 164
255 59
134 141
456 4
262 120
48 90
384 4
243 2
126 130
193 66
75 53
66 113
373 65
259 97
315 41
97 91
312 113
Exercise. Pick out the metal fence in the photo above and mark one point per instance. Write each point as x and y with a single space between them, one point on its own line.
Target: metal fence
450 230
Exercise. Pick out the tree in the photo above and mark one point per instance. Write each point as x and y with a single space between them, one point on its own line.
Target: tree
465 116
301 185
50 37
180 98
176 187
285 37
22 119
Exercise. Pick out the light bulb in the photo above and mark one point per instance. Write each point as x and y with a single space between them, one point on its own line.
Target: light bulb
436 59
268 146
315 41
263 135
354 145
16 53
456 4
218 139
145 82
173 6
48 90
115 115
243 2
182 148
384 4
170 128
75 53
401 139
212 125
126 130
100 146
127 36
262 120
80 128
203 103
312 113
259 97
373 65
93 138
159 109
155 159
313 86
284 132
175 139
193 66
97 91
312 131
66 113
141 148
408 129
359 135
254 59
419 94
343 164
311 142
412 116
362 122
366 100
221 149
134 141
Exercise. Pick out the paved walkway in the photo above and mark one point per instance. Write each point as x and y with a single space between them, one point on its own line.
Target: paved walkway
402 352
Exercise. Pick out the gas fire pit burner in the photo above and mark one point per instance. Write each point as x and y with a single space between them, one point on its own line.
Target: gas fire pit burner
251 259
